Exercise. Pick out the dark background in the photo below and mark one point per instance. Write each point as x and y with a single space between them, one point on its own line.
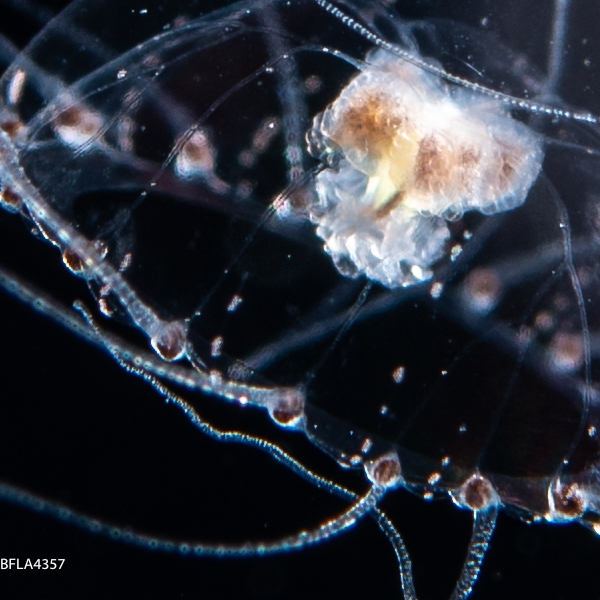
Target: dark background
76 428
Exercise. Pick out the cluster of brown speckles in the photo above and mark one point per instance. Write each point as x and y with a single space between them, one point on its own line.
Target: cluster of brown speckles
371 124
410 153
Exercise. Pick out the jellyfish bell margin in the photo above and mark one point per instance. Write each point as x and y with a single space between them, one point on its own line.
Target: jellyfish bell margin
74 368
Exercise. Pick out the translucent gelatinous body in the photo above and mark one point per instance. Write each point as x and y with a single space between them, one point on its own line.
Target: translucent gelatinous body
164 150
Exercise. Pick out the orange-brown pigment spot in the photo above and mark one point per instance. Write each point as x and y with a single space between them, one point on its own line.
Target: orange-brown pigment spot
12 127
197 152
11 198
73 261
370 125
432 166
568 501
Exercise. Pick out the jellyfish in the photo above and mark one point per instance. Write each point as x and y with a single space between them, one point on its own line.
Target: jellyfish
190 161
